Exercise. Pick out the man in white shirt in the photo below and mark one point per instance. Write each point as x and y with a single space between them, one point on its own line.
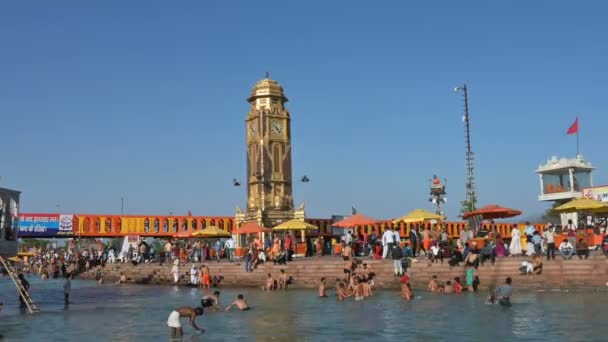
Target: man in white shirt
549 236
570 226
566 249
348 238
388 240
230 248
397 237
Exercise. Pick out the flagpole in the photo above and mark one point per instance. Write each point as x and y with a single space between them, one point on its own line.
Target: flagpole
577 143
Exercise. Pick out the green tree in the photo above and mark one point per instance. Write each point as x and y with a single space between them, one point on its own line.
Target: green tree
467 205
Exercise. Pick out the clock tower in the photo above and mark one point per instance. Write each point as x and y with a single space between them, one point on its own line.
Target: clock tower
269 185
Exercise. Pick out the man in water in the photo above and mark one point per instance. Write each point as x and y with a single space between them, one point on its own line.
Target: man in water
67 288
26 287
240 303
503 293
211 301
322 292
270 283
433 285
174 323
283 280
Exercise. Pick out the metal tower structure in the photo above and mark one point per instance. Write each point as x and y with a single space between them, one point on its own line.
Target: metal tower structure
469 204
438 194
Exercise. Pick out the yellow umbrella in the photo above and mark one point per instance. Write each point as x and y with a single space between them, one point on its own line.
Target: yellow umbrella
211 232
582 204
295 224
418 215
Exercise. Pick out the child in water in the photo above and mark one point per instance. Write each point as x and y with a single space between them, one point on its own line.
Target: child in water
322 292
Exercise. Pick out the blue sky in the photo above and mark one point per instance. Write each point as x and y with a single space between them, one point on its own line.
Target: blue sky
146 100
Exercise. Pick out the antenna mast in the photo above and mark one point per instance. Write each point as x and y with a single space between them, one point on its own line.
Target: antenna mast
469 204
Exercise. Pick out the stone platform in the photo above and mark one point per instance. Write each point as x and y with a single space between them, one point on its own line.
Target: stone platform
558 274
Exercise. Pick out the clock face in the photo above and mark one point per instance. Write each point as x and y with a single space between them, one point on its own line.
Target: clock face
276 127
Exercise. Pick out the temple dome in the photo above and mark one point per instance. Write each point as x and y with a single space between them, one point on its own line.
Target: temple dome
267 88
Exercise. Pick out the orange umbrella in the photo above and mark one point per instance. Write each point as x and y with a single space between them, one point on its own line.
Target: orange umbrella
252 228
355 220
493 211
182 235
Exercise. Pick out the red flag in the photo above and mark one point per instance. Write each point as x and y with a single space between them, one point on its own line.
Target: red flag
574 128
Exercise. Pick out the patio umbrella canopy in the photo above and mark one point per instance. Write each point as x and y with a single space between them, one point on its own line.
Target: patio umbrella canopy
252 228
582 204
493 211
295 224
183 235
211 232
355 220
418 215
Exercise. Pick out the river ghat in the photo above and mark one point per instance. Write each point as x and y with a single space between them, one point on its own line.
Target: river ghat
571 274
112 312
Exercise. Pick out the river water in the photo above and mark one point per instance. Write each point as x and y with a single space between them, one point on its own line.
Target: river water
139 313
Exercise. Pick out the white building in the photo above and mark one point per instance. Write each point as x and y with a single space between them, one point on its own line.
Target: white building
564 179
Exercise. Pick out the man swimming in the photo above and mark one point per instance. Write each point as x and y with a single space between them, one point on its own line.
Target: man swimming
211 301
174 323
240 303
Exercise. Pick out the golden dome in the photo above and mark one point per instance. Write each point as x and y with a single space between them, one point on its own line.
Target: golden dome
267 87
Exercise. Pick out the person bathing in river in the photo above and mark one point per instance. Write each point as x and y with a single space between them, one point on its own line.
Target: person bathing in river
502 294
322 292
406 289
240 303
433 285
211 301
270 283
175 325
341 290
283 280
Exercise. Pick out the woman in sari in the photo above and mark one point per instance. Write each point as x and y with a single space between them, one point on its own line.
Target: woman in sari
500 250
515 246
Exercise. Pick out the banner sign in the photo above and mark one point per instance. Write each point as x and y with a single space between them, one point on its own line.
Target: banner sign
45 225
598 193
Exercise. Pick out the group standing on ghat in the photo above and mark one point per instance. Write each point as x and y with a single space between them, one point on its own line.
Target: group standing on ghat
358 280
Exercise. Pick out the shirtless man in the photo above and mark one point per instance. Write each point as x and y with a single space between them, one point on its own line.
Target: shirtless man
433 285
406 291
211 301
448 288
122 280
270 283
341 290
240 303
358 289
322 292
347 253
348 267
206 279
283 280
174 323
367 289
